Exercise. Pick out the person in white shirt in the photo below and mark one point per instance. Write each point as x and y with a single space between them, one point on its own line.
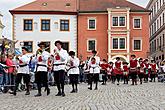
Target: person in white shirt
94 69
59 66
73 70
23 71
41 76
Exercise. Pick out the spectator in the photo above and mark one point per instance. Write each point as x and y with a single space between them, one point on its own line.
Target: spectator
10 75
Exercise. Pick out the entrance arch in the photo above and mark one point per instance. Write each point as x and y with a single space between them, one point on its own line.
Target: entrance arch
122 58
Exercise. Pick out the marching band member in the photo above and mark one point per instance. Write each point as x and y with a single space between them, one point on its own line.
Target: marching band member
73 71
154 69
94 69
141 70
133 65
146 70
59 65
125 72
104 67
118 69
110 72
41 76
23 71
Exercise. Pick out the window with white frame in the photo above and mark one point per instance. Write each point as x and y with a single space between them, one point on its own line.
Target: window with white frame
137 45
91 44
137 23
92 23
119 43
118 21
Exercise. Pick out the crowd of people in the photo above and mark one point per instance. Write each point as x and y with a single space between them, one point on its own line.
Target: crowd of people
44 69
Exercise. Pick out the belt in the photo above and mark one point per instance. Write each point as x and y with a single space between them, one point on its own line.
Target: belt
58 64
23 65
41 65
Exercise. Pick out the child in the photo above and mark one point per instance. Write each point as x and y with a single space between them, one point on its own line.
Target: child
125 72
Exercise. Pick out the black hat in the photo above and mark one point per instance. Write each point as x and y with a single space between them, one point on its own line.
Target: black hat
41 43
140 59
71 53
133 55
117 58
94 51
58 41
104 60
125 63
25 48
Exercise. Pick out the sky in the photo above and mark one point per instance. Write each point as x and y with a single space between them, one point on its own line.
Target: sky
7 5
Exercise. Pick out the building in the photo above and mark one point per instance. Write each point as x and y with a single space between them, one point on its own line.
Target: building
157 29
46 21
1 25
115 28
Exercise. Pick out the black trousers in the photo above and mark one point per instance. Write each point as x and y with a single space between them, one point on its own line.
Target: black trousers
74 80
152 76
118 77
41 78
11 81
125 79
141 75
26 79
93 78
104 77
59 77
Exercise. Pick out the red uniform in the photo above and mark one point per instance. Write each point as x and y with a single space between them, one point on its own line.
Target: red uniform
125 70
117 69
141 68
133 65
153 67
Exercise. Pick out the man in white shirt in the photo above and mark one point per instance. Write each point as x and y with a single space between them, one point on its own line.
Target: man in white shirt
94 69
59 66
41 76
73 70
23 71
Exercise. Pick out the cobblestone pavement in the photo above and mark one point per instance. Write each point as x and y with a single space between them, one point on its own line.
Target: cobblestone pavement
150 96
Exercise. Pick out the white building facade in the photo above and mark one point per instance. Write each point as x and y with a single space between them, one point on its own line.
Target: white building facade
157 29
30 29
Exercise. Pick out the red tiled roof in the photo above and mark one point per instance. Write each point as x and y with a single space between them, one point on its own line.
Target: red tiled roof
84 5
102 5
49 5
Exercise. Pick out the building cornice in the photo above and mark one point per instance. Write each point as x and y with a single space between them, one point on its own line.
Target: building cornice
43 12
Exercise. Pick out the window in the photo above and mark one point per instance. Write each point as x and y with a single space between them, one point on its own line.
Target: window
160 21
163 18
45 25
28 45
65 46
119 43
119 21
115 43
137 23
115 21
163 41
122 43
28 24
137 45
157 25
91 24
64 25
122 21
91 45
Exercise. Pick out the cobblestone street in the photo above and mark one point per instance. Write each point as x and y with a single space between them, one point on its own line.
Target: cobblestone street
148 96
